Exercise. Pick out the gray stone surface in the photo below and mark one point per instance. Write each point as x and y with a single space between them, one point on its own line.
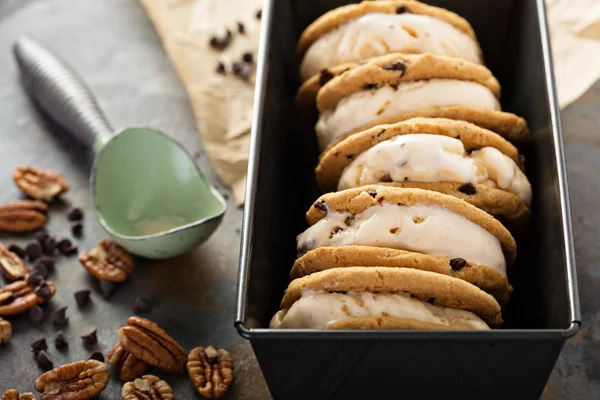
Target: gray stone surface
113 46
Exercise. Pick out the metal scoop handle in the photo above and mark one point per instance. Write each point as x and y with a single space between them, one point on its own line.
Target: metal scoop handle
61 93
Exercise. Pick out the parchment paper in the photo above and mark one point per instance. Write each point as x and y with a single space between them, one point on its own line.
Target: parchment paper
222 104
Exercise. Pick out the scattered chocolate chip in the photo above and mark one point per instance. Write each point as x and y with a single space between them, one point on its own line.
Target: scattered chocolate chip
41 236
46 261
36 315
221 44
66 247
385 178
41 270
60 317
325 76
321 205
241 70
396 66
49 246
401 9
107 288
431 300
458 263
35 279
61 341
43 290
90 338
370 86
248 57
372 193
44 361
97 356
140 306
82 297
18 250
77 229
259 14
38 346
241 28
220 68
33 251
468 188
76 214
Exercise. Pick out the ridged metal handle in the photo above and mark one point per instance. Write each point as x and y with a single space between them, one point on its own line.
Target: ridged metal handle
61 93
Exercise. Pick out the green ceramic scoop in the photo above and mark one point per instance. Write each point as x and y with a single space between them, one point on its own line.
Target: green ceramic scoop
149 194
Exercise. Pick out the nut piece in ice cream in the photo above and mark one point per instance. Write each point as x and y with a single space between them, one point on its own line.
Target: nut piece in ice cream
23 215
211 371
11 265
40 184
80 380
108 262
128 366
147 387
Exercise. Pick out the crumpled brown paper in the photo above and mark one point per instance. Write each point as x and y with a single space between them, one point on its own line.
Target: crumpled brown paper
223 104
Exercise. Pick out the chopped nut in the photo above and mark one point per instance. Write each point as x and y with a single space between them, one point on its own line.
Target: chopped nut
80 380
129 366
11 265
147 387
23 216
211 371
108 261
13 394
5 331
39 183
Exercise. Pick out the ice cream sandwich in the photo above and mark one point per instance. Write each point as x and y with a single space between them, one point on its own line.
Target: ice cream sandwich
448 156
373 28
397 87
385 298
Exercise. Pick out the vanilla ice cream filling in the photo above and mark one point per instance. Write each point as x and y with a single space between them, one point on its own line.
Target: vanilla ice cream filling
435 158
377 34
364 107
317 309
422 228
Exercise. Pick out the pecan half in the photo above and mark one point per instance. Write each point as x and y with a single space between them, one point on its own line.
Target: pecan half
148 387
18 297
5 331
80 380
211 371
11 265
12 394
23 216
108 262
129 366
150 343
39 183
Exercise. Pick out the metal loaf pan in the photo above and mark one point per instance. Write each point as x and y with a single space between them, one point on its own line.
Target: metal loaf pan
512 363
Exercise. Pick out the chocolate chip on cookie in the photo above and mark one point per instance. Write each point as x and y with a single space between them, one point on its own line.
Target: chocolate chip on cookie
458 263
325 76
468 188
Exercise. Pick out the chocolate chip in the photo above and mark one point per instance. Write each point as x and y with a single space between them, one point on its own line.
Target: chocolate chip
241 28
248 57
60 317
372 193
140 306
458 263
468 188
82 297
401 9
49 246
431 300
77 229
46 261
241 70
321 205
66 247
18 250
36 315
396 66
38 346
35 279
41 270
385 178
259 14
61 341
33 251
41 236
43 290
221 44
90 338
107 288
76 214
349 156
44 361
325 76
370 86
381 133
238 230
220 68
97 356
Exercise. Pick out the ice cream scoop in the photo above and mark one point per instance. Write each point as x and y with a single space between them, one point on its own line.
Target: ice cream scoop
149 194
